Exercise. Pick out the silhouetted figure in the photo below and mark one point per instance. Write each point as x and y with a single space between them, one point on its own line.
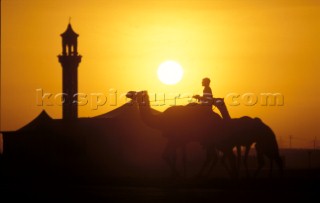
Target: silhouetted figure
207 97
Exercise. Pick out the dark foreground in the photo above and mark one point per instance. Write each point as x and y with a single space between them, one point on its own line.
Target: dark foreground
297 185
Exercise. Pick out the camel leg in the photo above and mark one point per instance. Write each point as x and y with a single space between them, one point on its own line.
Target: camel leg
232 161
206 162
213 159
184 161
169 155
238 157
245 161
279 163
223 162
271 166
261 161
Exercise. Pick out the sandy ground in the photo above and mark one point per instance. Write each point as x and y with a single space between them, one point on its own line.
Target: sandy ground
295 186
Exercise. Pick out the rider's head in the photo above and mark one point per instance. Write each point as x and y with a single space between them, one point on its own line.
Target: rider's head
205 82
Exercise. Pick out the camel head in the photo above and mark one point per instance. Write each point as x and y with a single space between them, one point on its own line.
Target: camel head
131 95
140 97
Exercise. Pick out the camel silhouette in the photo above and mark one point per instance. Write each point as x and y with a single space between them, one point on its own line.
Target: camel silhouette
244 131
182 125
198 123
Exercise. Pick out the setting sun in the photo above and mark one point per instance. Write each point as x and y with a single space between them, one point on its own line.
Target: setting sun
170 72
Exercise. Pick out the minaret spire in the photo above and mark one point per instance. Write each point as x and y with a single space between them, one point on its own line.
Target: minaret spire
69 60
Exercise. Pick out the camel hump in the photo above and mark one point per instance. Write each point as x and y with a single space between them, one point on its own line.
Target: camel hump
257 119
246 118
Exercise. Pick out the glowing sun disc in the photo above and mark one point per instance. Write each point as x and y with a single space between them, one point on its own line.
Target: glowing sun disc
170 72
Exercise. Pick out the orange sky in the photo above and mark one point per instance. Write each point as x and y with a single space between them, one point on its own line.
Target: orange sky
245 46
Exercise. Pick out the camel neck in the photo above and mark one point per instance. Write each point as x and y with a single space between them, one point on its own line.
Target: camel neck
223 110
147 116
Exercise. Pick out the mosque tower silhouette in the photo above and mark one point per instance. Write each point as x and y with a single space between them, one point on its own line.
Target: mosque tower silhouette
69 60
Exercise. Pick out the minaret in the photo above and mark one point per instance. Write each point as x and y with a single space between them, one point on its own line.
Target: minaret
69 60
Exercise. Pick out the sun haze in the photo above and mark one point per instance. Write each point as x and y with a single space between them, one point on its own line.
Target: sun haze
170 72
247 48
